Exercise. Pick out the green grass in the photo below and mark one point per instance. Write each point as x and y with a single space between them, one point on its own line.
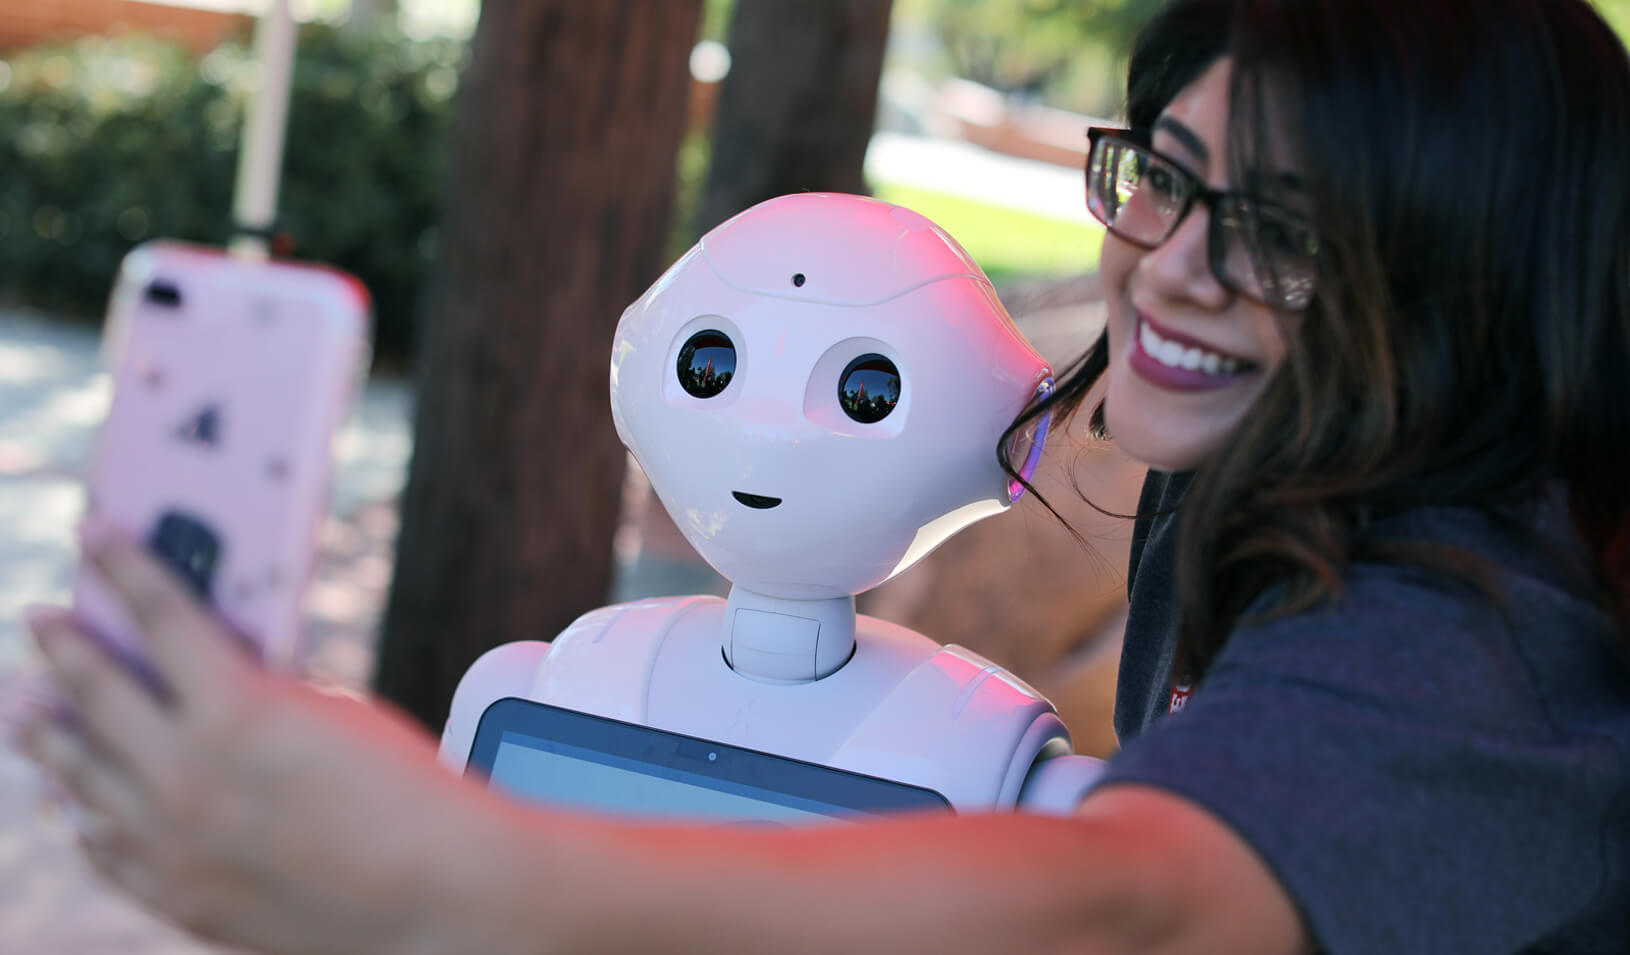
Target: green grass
1007 244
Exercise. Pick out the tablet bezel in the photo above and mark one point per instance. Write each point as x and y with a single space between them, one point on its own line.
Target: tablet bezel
854 795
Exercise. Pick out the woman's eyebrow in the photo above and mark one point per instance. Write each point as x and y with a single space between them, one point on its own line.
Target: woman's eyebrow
1185 136
1278 180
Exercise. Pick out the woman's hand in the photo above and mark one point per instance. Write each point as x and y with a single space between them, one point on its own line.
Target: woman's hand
237 802
252 810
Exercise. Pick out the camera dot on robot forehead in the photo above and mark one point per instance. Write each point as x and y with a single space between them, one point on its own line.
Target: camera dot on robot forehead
833 248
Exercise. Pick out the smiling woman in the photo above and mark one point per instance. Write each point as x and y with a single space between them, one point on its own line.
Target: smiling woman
1191 347
1367 273
1377 354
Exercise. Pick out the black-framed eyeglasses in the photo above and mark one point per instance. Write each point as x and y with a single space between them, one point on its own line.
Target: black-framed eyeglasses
1254 247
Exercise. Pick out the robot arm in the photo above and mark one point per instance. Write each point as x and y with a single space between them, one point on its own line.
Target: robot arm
1057 784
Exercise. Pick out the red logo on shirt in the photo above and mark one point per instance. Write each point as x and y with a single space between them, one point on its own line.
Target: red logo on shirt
1181 691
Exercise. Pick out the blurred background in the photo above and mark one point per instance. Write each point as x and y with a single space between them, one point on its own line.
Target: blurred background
504 177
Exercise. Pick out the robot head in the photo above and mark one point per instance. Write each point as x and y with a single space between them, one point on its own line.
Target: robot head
816 391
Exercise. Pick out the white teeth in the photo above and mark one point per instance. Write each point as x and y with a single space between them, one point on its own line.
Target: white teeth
1173 355
1150 341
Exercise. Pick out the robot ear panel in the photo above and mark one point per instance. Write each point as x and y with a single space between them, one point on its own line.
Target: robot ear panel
1025 444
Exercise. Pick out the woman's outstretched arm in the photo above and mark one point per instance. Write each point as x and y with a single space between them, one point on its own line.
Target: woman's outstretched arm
251 809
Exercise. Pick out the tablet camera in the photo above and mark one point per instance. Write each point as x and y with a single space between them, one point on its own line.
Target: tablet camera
188 546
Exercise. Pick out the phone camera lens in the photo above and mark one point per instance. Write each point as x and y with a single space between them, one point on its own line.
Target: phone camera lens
160 292
190 547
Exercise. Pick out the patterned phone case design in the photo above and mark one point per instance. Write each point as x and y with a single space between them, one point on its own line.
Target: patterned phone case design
230 379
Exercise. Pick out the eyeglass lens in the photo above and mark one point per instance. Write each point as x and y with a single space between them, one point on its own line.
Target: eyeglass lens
1255 248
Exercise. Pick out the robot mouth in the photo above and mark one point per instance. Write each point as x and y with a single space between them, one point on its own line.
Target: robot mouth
757 501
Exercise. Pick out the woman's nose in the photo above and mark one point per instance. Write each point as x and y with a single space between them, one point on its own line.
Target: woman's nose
1180 267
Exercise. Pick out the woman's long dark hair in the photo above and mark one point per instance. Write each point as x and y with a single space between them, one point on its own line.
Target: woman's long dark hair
1468 169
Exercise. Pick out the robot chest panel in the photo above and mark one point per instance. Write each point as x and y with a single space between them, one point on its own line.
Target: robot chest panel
903 707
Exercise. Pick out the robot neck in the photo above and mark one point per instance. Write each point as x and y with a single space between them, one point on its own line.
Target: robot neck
792 641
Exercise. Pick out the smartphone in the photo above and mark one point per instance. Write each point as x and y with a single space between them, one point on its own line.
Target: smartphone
230 378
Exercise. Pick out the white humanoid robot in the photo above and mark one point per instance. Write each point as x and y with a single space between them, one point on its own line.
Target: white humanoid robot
816 392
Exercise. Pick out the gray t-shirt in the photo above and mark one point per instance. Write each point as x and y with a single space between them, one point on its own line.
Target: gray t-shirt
1420 776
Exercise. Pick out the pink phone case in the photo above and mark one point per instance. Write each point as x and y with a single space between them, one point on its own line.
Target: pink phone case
230 378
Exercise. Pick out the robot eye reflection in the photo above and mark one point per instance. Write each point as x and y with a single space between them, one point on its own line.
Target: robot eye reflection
707 363
869 388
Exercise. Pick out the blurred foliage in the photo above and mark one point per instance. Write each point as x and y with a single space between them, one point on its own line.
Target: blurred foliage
716 16
106 143
1026 45
1066 53
1617 15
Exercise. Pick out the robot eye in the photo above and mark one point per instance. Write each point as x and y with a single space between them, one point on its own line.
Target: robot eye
707 362
869 388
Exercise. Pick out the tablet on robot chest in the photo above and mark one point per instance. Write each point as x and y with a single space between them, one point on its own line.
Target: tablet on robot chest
563 757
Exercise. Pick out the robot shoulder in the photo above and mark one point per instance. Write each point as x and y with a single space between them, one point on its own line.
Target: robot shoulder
603 663
972 729
504 671
597 664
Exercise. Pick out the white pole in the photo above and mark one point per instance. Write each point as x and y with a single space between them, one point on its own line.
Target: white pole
260 156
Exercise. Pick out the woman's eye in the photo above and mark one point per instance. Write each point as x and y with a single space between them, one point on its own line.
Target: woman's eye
1281 239
1284 238
869 388
707 362
1162 181
1165 189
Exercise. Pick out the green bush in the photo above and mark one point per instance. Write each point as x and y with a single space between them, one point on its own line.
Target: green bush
105 143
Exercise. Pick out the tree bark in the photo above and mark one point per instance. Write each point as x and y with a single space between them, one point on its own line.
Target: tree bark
797 108
556 217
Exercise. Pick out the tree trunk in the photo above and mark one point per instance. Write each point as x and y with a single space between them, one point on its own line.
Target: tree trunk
798 106
556 217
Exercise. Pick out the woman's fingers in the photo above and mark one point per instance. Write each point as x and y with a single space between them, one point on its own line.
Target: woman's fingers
192 652
118 862
111 705
93 780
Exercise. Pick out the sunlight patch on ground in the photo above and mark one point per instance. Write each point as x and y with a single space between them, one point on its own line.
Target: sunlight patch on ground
36 551
23 363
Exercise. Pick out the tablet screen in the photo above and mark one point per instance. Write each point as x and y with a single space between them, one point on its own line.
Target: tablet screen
566 758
